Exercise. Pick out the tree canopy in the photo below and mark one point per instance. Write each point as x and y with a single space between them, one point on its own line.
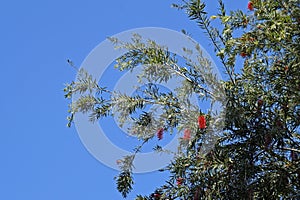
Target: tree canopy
256 152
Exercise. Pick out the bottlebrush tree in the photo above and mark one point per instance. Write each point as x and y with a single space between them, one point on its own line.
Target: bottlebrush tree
256 153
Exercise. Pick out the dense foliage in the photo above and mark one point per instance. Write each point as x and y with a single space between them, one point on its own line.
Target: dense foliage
256 153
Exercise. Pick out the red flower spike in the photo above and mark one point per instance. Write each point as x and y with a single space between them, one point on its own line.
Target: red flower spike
250 5
202 122
179 181
259 103
156 195
243 54
160 133
187 134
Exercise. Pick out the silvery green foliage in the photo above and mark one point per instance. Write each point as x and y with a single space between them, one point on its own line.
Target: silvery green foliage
86 85
151 108
159 65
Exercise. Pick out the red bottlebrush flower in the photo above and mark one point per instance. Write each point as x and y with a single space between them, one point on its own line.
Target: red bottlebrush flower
156 195
286 68
179 181
250 5
187 134
202 122
243 54
260 102
160 133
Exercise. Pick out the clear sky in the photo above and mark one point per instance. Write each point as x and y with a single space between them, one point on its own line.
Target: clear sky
40 157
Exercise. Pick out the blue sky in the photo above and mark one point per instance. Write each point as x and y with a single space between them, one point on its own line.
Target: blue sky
40 157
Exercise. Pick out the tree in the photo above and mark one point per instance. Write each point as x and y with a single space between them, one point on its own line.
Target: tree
256 154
